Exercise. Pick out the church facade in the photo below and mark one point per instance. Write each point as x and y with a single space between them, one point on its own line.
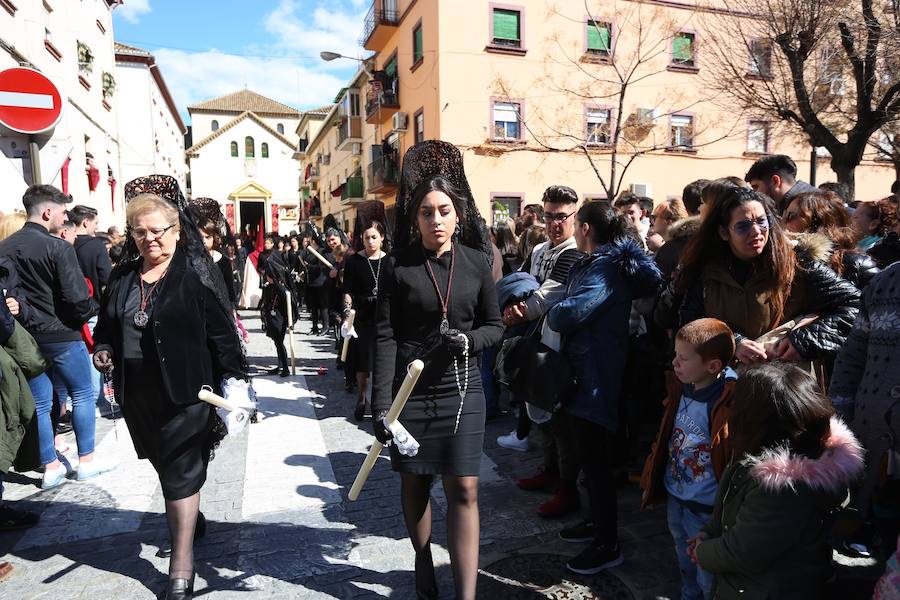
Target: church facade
243 156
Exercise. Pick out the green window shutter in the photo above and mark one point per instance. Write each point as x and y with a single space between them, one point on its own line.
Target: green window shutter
598 36
417 45
506 24
390 69
683 48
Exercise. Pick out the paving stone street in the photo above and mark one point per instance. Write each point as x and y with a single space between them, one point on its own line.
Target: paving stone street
280 524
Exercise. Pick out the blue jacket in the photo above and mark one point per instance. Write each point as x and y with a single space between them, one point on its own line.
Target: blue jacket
593 320
515 287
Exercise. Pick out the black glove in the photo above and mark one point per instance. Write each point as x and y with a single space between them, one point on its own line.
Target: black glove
382 433
456 342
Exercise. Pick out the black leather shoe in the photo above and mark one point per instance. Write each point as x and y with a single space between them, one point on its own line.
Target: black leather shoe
180 589
284 373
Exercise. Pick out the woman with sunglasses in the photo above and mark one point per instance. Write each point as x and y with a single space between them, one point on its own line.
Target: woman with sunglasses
742 269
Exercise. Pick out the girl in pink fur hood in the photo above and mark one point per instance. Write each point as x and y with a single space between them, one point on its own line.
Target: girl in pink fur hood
792 467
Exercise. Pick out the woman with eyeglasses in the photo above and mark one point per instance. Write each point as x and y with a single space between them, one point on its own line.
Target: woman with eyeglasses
742 269
165 330
826 223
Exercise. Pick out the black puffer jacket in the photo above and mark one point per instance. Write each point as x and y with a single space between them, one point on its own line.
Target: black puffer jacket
859 268
887 251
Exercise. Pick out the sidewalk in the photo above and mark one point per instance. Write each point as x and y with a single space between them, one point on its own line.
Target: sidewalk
279 523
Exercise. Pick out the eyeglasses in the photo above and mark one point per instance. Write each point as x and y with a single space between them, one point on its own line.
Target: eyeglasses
156 233
556 217
745 226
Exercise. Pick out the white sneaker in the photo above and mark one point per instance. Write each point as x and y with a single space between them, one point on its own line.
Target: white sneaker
95 467
511 441
55 477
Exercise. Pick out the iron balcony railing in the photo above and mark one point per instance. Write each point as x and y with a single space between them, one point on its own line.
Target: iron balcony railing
383 171
378 15
354 188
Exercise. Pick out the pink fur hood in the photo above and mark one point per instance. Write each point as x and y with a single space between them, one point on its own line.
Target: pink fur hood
838 466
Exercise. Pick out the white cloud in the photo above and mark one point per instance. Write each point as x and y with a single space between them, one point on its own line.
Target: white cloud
131 10
292 73
309 32
196 76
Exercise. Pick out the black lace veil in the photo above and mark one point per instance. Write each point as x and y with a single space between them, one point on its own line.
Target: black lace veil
166 187
422 162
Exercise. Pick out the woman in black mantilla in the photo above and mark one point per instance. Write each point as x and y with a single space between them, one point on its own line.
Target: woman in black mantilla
438 304
165 330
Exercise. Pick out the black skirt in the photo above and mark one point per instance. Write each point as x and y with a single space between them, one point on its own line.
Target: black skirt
361 353
174 438
430 417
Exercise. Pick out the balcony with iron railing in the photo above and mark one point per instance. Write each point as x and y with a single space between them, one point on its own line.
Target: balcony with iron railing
384 175
381 102
354 189
313 173
381 20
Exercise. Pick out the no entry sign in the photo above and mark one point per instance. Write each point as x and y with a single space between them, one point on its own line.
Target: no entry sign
29 102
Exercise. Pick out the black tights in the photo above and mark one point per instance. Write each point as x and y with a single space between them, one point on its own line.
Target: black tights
182 517
282 353
463 529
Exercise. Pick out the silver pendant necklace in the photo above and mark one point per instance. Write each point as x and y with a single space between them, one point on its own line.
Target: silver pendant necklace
375 275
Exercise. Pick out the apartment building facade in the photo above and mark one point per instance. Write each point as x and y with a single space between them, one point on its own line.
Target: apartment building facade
531 93
71 43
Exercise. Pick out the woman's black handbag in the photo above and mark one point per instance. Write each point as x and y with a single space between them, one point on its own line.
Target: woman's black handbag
535 372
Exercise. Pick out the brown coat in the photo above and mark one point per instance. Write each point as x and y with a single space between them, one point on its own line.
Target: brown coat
720 450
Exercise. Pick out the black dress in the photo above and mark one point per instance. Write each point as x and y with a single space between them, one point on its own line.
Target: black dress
407 328
359 283
189 341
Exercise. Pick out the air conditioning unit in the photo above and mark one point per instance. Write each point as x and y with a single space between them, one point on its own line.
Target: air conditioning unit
400 121
356 149
640 189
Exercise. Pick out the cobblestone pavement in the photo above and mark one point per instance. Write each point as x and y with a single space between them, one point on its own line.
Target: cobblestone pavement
279 522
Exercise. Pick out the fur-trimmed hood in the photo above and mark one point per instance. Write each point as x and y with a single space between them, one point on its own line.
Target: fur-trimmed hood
813 246
683 228
838 466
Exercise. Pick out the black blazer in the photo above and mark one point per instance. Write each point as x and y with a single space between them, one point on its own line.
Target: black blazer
196 339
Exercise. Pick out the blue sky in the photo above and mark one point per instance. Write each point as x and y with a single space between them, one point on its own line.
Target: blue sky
208 48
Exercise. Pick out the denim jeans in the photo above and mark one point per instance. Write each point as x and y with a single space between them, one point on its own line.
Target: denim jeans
96 377
70 368
684 523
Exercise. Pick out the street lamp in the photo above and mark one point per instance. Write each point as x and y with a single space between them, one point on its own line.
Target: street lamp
329 56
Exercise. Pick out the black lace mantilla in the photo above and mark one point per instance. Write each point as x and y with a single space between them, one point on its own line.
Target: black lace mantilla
166 187
426 160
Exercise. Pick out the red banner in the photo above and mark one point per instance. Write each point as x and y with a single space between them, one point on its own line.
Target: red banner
275 219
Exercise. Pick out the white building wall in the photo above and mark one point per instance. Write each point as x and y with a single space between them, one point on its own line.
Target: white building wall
149 145
87 125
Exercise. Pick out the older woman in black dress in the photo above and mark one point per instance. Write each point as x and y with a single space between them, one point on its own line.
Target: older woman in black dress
164 332
438 304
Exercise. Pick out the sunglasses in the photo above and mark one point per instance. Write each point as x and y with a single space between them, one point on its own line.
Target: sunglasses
746 225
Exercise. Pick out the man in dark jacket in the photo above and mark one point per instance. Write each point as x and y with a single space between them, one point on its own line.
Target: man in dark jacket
60 305
95 264
776 177
90 250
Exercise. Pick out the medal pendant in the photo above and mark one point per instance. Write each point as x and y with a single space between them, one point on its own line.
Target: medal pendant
445 326
375 291
141 319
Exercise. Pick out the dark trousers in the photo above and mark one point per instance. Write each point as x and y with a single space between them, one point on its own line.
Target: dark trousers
317 302
593 445
559 447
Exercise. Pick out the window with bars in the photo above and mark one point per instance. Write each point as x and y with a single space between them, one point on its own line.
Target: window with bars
684 49
264 150
599 38
418 53
234 149
760 57
507 125
758 137
597 122
681 131
249 147
507 27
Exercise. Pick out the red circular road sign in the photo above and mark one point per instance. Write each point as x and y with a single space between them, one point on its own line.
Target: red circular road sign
29 102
